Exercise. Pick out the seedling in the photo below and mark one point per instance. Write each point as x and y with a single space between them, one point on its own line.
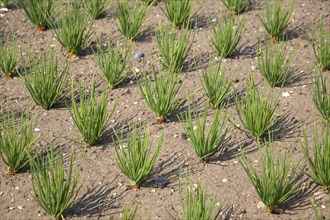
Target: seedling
275 64
257 112
321 46
9 57
129 20
174 48
321 96
217 88
225 37
16 139
160 94
6 3
129 215
39 12
137 160
54 189
114 62
206 144
319 160
96 8
277 182
46 81
276 18
91 117
178 12
73 30
236 7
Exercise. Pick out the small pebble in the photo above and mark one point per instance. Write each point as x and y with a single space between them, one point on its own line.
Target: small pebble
285 94
37 129
261 205
138 55
19 207
224 180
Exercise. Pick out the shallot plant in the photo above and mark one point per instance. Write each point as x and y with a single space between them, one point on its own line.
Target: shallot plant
9 57
96 8
6 3
321 46
236 7
321 95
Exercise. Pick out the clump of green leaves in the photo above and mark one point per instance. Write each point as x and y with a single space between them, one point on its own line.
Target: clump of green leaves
321 96
319 160
54 189
137 160
46 81
225 37
96 8
114 62
9 57
160 93
236 7
278 180
197 204
317 212
129 215
91 116
39 12
257 112
6 3
205 143
174 48
321 46
129 19
275 64
73 30
215 85
178 12
16 139
276 18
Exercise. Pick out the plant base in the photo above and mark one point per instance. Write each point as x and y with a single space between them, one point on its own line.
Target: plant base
270 209
8 76
211 105
135 186
40 29
274 41
160 120
10 172
72 56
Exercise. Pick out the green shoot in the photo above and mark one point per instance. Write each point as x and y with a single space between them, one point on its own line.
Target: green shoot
216 87
257 112
96 8
16 140
160 94
46 81
321 46
91 117
9 57
174 48
276 18
236 7
278 180
39 12
206 144
53 190
6 3
274 64
129 20
321 96
225 37
319 160
113 63
136 161
129 215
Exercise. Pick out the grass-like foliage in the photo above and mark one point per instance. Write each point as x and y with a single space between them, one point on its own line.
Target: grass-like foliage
91 116
275 64
278 180
46 81
197 203
136 161
96 8
317 211
113 62
55 186
16 139
321 46
39 12
178 12
160 93
217 88
236 7
225 37
129 215
9 57
206 140
321 96
129 19
319 160
73 30
276 18
6 3
257 112
174 47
